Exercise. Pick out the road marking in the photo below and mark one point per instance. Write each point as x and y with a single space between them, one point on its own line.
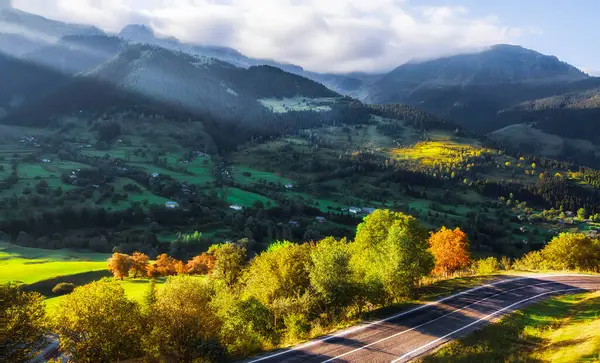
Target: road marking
361 327
436 319
407 355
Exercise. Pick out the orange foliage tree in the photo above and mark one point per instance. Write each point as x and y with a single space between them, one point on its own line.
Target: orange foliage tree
166 265
201 265
119 264
139 264
450 249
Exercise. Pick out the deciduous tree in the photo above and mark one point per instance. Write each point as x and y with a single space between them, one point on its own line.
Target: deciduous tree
119 264
23 323
450 248
185 326
229 263
97 323
139 264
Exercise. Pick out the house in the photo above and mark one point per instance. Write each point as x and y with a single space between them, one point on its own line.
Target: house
320 219
155 175
172 205
289 186
293 223
236 207
369 210
521 217
523 229
354 210
570 214
46 161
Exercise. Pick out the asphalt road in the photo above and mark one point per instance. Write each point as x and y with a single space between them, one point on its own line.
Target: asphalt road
408 334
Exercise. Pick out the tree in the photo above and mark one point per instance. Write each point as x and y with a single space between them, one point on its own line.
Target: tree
390 255
229 263
280 272
97 323
201 265
23 323
139 264
581 213
185 326
572 251
330 274
450 248
119 264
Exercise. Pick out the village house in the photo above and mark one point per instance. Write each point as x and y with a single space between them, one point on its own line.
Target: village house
236 207
172 205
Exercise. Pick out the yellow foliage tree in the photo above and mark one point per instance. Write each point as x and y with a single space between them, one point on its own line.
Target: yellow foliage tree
450 249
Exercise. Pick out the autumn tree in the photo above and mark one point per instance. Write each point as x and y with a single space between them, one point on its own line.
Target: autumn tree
184 327
119 264
201 265
98 323
450 248
139 264
23 329
229 263
164 265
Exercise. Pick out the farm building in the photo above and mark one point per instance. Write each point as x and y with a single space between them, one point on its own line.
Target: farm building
171 205
236 207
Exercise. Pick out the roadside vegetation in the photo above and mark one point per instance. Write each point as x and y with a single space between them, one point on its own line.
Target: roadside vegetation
225 303
561 329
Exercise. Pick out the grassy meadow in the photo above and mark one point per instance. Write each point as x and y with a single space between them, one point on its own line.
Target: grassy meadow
30 265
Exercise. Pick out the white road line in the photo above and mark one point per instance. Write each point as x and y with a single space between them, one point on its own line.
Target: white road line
412 352
361 327
436 319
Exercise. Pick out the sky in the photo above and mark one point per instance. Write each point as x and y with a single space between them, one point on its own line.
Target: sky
351 35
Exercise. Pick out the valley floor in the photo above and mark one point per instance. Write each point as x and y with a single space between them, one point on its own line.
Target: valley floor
562 329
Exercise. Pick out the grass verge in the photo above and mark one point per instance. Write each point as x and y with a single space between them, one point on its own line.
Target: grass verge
561 329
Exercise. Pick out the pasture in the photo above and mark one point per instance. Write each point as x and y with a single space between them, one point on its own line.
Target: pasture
29 265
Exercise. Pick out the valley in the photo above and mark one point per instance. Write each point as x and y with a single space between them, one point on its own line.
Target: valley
182 192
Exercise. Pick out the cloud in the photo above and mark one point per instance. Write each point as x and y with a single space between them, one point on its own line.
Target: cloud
590 71
331 35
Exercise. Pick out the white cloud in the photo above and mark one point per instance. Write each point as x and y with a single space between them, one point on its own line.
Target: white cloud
590 71
320 35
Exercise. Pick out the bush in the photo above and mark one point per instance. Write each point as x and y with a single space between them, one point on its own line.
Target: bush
63 288
486 266
297 326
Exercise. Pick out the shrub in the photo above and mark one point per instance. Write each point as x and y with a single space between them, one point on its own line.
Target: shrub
486 266
296 326
63 288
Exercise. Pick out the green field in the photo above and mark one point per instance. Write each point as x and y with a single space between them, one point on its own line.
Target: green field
143 197
562 329
256 176
29 265
297 104
244 198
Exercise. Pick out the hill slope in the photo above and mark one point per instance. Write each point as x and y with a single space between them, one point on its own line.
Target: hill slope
472 88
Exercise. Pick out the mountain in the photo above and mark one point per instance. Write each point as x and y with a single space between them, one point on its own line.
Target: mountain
200 83
346 84
77 53
472 88
23 82
22 32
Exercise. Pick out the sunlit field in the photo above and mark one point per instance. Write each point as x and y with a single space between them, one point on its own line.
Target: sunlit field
29 265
